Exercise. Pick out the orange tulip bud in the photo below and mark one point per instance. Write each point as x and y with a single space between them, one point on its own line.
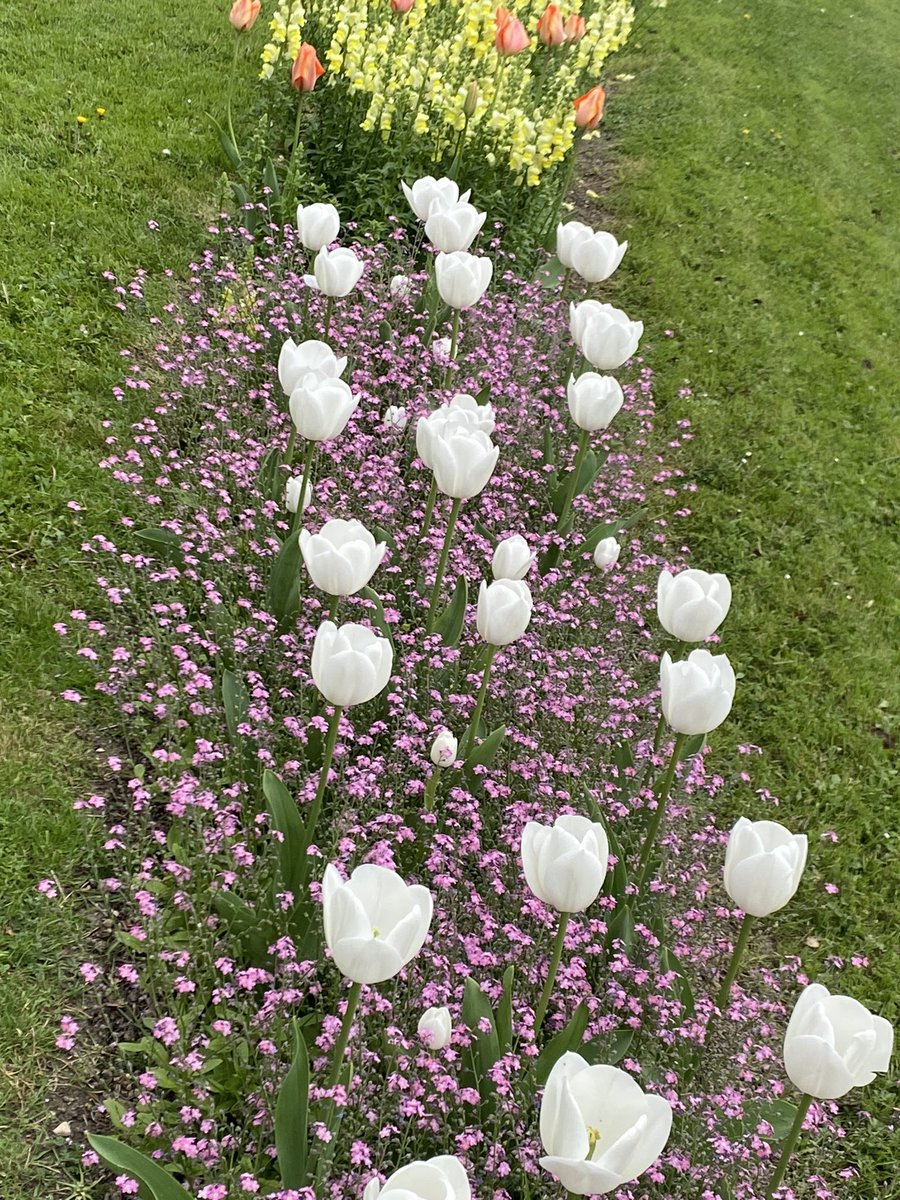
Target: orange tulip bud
510 37
306 69
401 6
589 108
244 13
574 28
550 26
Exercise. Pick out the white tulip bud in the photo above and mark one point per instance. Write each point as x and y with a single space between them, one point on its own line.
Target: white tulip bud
596 257
763 866
606 553
428 193
692 604
292 494
568 236
396 417
311 362
833 1044
321 410
444 748
336 272
401 285
565 865
440 1178
440 348
342 557
454 228
317 224
594 400
436 1027
697 693
462 279
463 460
350 664
375 923
504 610
599 1128
605 335
512 558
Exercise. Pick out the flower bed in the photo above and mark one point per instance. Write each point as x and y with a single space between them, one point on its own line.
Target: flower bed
207 661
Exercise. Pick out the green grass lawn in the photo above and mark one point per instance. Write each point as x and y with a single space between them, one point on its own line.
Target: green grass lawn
755 177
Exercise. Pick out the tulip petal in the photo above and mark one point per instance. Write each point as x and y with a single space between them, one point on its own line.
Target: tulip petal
562 1126
884 1044
366 960
422 1179
455 1174
580 1178
763 884
813 1067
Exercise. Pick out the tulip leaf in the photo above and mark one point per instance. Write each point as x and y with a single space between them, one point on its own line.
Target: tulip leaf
550 452
550 273
591 465
549 558
270 178
231 151
682 988
504 1009
379 620
385 332
568 1038
382 535
165 543
291 1115
450 623
250 933
286 819
620 928
484 396
284 580
485 1046
605 530
608 1048
483 754
693 745
234 700
267 479
155 1183
779 1114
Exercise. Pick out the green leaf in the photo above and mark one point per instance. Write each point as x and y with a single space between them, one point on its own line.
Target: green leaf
692 746
231 151
240 193
568 1038
156 1184
485 1048
483 754
608 1048
591 465
620 928
780 1114
378 618
550 273
504 1009
235 700
450 623
484 395
682 988
605 530
284 581
270 178
385 332
268 474
164 542
550 452
291 1116
622 757
286 819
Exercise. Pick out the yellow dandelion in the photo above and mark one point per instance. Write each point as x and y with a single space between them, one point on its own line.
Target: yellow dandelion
81 120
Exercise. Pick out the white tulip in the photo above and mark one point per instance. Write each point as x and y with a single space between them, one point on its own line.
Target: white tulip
833 1044
606 553
401 285
477 416
763 865
692 604
315 359
342 557
455 227
440 1178
292 494
697 693
350 664
317 224
569 236
321 411
336 272
593 400
462 278
436 1027
463 460
512 559
375 923
605 335
595 258
598 1128
504 610
428 194
396 416
565 864
462 411
444 749
440 348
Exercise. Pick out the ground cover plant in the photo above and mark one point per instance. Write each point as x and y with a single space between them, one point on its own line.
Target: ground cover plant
218 881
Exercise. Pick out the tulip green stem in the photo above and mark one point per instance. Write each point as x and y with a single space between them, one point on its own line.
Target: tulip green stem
442 566
454 341
337 1061
431 788
429 509
329 310
292 165
661 797
307 472
558 945
790 1143
573 480
736 955
333 607
316 809
479 704
292 441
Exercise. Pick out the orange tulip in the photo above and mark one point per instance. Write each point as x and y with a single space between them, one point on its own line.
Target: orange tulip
574 28
550 26
510 37
401 6
589 108
244 13
306 69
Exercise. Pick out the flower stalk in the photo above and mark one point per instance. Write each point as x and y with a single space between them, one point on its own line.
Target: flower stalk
479 704
563 521
790 1144
558 944
737 954
661 797
328 755
442 566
